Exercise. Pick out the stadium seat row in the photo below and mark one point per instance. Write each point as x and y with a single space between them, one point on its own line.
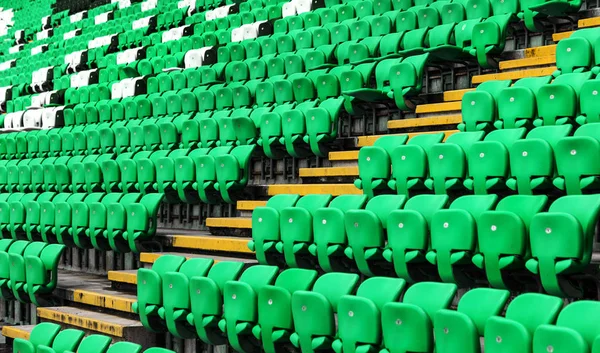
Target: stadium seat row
184 175
102 221
546 159
48 337
28 270
427 237
262 309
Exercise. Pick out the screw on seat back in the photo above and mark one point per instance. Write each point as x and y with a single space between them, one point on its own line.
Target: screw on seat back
407 326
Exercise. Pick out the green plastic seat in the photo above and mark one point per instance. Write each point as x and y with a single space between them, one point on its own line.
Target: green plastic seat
553 259
514 332
576 53
65 341
588 110
233 171
323 129
408 326
366 229
240 306
176 296
117 229
454 236
574 175
558 102
329 232
12 249
124 346
295 227
516 104
572 331
265 227
18 271
460 330
374 164
206 298
503 236
479 110
313 311
408 237
406 80
532 160
42 335
409 163
94 343
488 161
359 316
275 322
448 166
42 271
150 291
97 227
141 220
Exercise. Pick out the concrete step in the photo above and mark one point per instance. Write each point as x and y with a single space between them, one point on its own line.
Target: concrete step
93 290
13 332
118 327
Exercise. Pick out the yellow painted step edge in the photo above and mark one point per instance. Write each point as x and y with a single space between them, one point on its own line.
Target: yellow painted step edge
455 95
536 52
15 332
122 277
229 222
515 75
328 172
101 326
249 205
562 35
224 244
370 140
430 121
437 107
306 189
343 156
527 62
103 300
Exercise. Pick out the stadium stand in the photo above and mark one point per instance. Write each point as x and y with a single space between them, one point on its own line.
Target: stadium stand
346 176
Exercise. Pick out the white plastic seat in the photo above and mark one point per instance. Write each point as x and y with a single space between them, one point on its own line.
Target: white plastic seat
288 9
32 118
194 58
49 116
222 11
78 16
5 93
251 30
173 34
127 56
43 34
14 120
303 6
210 15
148 5
237 34
141 23
116 90
71 34
129 85
15 49
39 49
8 64
102 18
